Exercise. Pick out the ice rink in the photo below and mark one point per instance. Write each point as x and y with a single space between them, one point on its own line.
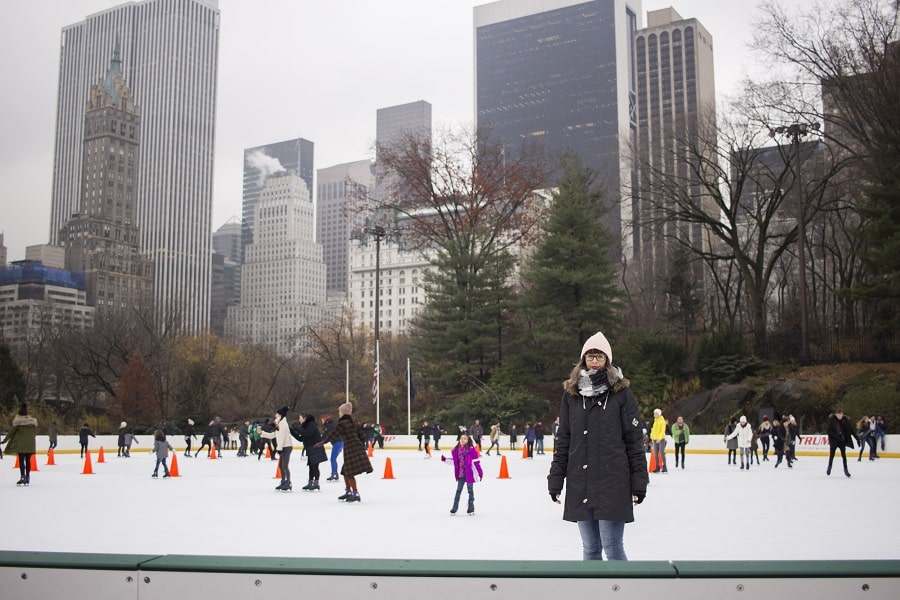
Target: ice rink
709 511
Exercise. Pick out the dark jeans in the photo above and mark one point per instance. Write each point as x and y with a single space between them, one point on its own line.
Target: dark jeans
679 448
765 447
831 457
25 465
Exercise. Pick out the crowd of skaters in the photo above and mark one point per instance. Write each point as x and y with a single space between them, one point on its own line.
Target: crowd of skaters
780 435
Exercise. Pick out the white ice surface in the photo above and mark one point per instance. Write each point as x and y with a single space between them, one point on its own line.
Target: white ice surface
709 511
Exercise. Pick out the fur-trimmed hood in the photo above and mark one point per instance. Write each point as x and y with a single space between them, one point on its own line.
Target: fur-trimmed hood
24 421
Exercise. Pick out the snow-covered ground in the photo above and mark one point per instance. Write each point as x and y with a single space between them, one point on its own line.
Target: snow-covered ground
709 511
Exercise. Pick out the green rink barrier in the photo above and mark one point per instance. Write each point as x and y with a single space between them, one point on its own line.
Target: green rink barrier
148 577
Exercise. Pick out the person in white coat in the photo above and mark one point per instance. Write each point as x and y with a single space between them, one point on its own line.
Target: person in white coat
744 434
284 445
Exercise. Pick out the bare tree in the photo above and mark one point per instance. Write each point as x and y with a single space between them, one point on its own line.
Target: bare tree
736 189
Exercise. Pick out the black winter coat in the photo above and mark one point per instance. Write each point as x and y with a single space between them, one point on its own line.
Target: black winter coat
308 433
839 432
355 459
599 454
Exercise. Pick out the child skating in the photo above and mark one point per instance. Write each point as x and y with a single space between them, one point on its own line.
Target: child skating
466 470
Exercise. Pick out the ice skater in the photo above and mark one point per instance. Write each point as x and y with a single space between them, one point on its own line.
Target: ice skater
466 470
356 462
161 449
20 440
309 435
284 445
840 436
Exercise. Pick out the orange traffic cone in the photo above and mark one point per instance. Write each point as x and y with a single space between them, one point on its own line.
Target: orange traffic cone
428 451
50 461
652 465
16 466
212 451
34 462
388 469
277 471
88 469
268 453
100 458
524 450
369 451
173 470
504 471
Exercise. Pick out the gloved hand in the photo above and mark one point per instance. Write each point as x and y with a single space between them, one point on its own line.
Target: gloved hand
638 497
443 458
555 496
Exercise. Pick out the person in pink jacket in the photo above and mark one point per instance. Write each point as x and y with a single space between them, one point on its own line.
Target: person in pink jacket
466 470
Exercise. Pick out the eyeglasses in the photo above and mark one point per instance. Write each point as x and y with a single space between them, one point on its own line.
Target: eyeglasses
596 357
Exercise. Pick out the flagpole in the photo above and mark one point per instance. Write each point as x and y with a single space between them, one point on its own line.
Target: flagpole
347 382
408 398
377 386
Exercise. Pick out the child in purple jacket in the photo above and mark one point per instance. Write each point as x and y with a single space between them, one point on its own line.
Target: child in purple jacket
466 470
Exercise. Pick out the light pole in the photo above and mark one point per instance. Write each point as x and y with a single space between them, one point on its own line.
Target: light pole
378 233
794 132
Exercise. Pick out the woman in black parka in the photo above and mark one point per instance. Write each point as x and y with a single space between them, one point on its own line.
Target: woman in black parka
315 452
598 452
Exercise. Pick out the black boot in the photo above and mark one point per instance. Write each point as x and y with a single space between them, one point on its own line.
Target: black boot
471 509
314 485
345 495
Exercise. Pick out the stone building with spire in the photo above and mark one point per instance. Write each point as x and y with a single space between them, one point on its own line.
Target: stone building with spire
102 240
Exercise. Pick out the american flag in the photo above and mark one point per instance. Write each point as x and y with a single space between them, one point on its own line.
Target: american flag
375 384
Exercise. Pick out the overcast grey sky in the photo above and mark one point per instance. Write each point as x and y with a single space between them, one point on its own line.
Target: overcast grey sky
317 69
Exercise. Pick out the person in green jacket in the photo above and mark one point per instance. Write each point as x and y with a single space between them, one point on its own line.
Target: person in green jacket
21 440
681 433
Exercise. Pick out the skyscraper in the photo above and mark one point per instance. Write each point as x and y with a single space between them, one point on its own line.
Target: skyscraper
283 275
676 103
559 73
102 240
392 123
169 54
341 189
226 273
260 162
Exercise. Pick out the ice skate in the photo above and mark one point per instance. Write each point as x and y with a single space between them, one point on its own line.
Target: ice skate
345 495
354 497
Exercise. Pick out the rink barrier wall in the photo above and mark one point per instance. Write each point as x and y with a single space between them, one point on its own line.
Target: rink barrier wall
810 445
76 576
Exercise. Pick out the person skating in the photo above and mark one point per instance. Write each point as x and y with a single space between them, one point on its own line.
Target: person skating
161 448
681 433
658 441
188 434
840 436
83 435
466 471
356 462
308 434
284 445
765 433
20 440
744 435
328 425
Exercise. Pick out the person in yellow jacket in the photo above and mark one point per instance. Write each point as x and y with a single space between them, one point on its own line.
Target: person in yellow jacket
658 441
